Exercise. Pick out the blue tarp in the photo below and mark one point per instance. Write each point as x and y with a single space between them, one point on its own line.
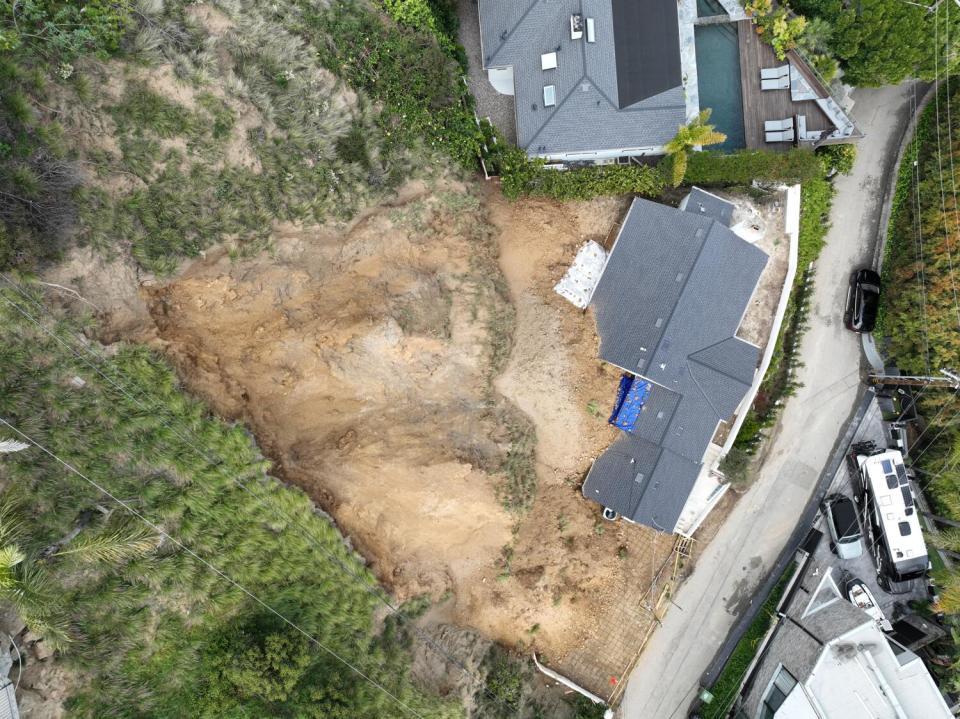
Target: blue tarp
630 398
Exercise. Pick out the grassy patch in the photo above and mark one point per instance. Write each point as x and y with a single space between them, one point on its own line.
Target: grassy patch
519 486
158 620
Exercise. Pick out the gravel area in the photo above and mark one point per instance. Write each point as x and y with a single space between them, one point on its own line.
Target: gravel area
490 103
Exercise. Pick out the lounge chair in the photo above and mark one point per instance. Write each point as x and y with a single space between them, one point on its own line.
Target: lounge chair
778 125
785 136
774 73
780 83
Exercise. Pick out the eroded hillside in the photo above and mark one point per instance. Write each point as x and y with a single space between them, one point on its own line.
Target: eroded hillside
442 409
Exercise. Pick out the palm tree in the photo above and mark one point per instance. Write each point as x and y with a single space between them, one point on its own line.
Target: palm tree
696 133
27 585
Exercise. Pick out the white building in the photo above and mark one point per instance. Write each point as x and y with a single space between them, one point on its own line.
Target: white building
829 660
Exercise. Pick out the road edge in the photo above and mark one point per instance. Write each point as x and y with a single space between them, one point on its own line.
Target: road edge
793 543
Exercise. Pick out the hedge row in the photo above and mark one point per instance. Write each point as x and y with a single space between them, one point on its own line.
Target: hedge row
745 166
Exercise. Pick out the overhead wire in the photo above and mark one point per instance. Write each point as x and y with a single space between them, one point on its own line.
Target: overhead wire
216 570
943 200
218 464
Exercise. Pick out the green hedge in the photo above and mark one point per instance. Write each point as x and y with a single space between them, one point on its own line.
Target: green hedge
745 166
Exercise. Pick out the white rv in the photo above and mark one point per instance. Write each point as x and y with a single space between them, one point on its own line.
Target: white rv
890 511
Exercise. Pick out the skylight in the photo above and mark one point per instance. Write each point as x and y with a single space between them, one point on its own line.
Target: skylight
549 95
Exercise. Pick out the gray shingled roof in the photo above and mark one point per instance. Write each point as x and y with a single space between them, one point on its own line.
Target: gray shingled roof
798 641
593 81
708 204
668 306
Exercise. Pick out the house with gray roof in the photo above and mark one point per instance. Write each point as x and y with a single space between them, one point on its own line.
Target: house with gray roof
827 659
668 306
602 81
592 79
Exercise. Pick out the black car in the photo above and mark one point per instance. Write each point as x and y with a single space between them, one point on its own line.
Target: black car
862 301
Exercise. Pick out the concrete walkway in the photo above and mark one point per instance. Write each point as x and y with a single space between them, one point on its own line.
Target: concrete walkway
668 674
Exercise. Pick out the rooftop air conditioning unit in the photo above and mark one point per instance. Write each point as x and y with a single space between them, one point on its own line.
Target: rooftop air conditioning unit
576 26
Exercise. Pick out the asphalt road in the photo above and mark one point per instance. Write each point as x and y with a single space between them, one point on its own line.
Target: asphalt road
721 587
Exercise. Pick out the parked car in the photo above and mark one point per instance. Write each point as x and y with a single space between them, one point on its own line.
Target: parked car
863 298
843 525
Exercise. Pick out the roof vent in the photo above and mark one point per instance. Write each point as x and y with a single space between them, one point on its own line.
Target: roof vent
585 87
548 61
659 322
576 26
549 95
591 31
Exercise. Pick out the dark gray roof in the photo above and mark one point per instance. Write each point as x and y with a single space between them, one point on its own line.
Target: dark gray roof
708 204
667 306
646 34
588 76
638 474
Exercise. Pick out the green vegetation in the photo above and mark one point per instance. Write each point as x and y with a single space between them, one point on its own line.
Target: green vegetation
743 167
918 310
777 25
697 132
152 630
724 689
63 30
920 325
881 42
509 692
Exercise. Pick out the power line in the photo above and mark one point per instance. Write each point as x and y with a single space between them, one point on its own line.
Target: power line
159 530
217 464
943 200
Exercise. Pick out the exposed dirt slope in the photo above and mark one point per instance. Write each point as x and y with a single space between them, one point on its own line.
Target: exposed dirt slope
385 371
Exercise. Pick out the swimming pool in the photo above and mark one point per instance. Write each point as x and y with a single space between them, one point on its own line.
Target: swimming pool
718 81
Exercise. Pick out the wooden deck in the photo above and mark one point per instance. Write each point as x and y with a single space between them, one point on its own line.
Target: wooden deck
761 105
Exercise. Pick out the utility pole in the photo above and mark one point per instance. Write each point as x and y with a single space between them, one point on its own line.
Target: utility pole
949 380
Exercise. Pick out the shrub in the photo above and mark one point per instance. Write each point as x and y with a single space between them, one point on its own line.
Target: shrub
59 28
745 166
525 176
838 157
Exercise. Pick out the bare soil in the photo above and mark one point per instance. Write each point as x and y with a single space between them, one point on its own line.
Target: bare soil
364 357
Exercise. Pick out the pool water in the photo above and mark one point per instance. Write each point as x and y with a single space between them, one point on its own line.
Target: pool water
709 8
718 80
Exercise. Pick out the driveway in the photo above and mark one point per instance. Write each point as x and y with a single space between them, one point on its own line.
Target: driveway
708 603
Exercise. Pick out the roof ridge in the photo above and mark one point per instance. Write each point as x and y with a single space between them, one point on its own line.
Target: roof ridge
503 40
692 357
555 111
703 392
686 281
